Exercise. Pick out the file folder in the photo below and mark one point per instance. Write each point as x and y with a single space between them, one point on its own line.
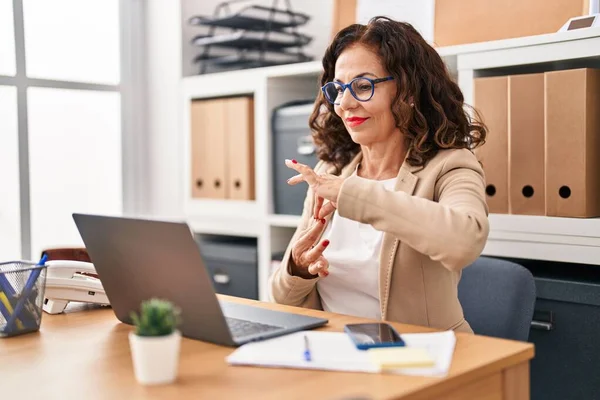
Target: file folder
208 141
491 99
572 101
526 144
240 148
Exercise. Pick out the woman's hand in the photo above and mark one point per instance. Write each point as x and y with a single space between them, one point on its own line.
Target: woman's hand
324 186
307 256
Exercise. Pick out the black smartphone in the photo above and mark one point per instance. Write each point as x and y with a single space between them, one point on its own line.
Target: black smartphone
372 335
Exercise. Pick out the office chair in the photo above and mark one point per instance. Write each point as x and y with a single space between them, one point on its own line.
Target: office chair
498 298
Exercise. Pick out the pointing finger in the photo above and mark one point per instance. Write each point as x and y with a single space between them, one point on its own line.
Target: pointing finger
311 236
313 254
318 205
326 209
308 174
296 179
319 267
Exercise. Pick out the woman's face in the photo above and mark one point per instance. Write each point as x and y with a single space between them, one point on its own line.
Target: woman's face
372 121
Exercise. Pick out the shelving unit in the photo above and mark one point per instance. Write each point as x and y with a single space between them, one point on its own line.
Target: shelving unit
532 237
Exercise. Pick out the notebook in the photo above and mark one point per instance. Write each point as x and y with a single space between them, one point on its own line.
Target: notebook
334 351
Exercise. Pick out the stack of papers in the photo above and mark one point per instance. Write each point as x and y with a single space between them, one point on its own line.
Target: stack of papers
430 354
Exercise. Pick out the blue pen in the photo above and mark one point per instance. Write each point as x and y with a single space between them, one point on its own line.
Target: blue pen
29 286
307 356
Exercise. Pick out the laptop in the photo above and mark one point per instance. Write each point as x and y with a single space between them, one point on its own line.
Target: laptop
137 259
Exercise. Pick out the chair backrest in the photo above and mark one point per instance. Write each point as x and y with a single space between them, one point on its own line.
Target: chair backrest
498 298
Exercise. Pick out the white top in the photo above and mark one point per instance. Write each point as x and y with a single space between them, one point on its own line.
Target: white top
352 286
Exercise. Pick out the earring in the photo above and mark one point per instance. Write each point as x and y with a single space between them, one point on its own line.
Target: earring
412 104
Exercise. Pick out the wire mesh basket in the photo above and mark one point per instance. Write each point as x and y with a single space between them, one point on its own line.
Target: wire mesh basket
22 285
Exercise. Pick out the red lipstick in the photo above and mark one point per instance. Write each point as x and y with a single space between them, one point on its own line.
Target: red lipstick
355 121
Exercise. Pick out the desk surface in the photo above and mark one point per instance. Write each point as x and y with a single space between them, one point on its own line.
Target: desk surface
84 353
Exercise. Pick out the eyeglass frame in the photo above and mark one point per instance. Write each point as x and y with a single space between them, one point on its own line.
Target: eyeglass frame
349 87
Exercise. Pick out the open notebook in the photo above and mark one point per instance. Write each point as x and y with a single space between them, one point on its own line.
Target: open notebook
335 351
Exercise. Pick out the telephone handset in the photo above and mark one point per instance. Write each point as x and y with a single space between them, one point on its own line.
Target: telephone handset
71 281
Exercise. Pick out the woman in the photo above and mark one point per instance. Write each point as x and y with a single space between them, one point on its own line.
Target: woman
396 206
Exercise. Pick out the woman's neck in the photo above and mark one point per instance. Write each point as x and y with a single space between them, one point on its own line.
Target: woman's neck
381 161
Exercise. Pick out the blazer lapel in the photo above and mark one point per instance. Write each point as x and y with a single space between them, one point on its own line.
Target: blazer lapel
406 181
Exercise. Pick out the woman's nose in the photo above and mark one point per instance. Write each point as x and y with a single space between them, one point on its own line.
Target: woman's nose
347 101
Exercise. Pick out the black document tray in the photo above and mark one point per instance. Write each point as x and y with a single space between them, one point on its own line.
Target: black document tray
256 18
248 59
275 41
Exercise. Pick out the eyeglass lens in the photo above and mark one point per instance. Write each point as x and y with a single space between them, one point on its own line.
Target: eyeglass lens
361 89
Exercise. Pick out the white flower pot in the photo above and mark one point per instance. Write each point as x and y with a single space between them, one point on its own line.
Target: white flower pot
155 358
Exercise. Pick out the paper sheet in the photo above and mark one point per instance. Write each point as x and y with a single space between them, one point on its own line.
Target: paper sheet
335 351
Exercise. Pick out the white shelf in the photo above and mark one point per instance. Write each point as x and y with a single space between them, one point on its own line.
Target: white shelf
543 251
572 240
542 225
223 209
528 41
230 226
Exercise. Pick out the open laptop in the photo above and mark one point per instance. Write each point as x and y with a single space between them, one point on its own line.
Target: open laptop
138 259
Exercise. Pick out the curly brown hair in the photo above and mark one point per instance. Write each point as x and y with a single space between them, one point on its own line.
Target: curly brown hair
438 120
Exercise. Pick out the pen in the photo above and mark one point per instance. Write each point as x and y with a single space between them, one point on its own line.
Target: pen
306 349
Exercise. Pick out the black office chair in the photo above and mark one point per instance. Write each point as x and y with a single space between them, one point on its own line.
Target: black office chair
498 298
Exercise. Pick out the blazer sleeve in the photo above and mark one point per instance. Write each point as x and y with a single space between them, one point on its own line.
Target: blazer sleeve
294 290
452 230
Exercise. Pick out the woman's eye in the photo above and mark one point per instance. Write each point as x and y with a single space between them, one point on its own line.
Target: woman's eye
364 88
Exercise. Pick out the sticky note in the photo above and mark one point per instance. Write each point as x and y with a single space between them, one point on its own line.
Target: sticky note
400 357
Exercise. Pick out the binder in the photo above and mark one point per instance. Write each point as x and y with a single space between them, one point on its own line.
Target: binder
526 144
344 14
491 99
240 148
208 142
572 101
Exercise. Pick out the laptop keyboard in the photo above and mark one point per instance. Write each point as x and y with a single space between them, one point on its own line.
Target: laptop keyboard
240 327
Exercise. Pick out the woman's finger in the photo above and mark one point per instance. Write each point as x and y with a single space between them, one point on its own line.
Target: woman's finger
307 173
311 235
318 205
296 179
319 267
326 209
313 254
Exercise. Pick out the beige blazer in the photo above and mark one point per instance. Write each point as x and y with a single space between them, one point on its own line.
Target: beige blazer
435 223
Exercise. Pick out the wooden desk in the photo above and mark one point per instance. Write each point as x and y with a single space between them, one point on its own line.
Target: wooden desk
85 354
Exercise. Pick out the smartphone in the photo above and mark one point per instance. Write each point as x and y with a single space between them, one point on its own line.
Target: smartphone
372 335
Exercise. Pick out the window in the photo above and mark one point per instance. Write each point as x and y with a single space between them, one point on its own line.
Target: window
10 224
72 40
64 86
7 39
83 172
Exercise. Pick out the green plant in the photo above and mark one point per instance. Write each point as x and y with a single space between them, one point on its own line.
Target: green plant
157 318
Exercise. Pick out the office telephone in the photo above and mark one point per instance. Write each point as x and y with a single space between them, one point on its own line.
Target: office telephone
71 281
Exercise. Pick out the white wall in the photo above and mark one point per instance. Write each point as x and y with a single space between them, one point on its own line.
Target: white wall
419 13
164 141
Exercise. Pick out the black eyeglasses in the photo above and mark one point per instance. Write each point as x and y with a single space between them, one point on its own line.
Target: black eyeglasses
361 88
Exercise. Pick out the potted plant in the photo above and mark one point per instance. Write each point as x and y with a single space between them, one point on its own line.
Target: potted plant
155 342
